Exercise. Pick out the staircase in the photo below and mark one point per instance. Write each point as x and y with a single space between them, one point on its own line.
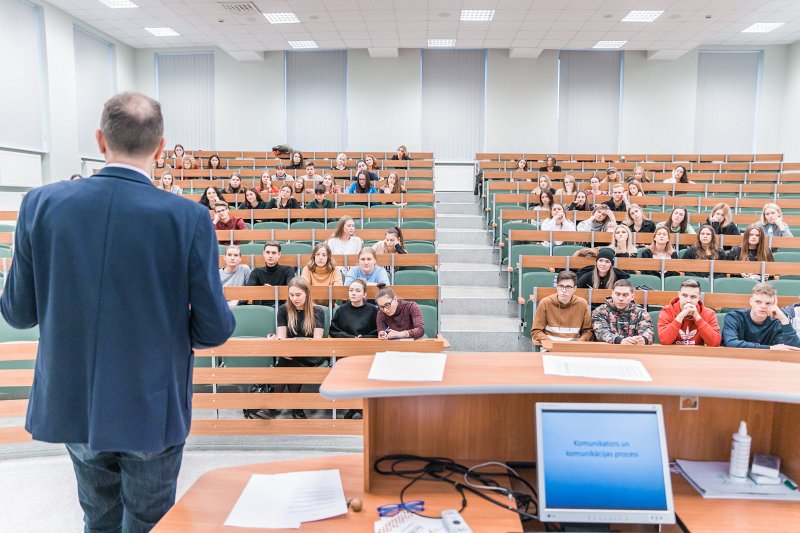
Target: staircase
476 315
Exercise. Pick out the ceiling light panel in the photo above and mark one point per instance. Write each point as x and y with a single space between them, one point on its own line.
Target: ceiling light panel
762 27
298 45
441 43
477 15
642 16
609 44
282 18
118 4
163 32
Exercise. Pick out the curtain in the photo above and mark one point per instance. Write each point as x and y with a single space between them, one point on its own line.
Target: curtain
185 88
589 88
453 103
94 81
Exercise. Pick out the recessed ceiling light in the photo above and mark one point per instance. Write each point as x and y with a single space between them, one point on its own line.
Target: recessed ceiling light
163 32
118 4
477 15
762 27
609 44
642 16
282 18
303 44
441 43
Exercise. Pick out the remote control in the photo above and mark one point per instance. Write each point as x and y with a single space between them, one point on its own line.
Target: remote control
453 522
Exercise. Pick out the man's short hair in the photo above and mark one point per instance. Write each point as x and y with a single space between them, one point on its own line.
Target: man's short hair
310 164
220 204
623 283
618 186
276 244
233 247
385 291
567 275
319 189
132 124
766 289
690 284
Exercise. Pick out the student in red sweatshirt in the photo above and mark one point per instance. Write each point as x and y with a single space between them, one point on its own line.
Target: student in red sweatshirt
687 321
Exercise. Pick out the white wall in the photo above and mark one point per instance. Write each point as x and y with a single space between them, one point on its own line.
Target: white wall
790 119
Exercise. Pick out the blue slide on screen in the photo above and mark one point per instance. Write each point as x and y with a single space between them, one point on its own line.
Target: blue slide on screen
602 460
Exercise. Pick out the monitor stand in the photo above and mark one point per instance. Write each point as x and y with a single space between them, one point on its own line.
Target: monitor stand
586 528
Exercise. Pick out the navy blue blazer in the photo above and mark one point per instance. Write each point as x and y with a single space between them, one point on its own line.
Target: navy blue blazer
123 280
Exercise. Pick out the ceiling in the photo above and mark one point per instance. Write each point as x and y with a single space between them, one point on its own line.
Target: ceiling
524 27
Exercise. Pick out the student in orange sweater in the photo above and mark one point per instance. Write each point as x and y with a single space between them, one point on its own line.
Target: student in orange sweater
687 321
562 316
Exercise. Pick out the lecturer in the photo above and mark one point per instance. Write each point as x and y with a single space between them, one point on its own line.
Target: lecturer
122 279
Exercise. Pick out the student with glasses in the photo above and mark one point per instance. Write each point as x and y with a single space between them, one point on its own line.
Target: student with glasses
562 317
398 319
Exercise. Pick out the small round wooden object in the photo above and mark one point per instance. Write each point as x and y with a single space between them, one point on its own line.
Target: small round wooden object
354 504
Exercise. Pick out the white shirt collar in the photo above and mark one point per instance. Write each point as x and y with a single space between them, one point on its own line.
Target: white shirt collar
130 167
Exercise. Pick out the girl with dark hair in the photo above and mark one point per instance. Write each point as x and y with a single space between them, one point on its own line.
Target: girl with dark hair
679 175
362 184
603 274
235 184
214 162
265 185
705 247
754 247
546 201
252 200
392 243
550 165
678 222
297 161
210 197
284 199
321 269
580 202
357 318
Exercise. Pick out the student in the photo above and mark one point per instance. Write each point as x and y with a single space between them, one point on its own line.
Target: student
612 176
754 247
297 161
678 222
362 166
234 185
233 274
362 184
272 274
284 199
550 165
772 221
661 247
224 221
344 240
546 200
321 269
634 189
544 185
622 243
372 165
210 197
311 173
569 187
721 219
188 162
621 320
319 201
265 185
601 219
636 221
603 274
161 162
393 186
299 189
763 326
214 162
639 174
341 162
705 248
580 202
330 184
521 166
356 318
687 321
617 201
557 221
253 200
368 270
562 316
168 184
392 243
398 319
679 175
594 187
280 173
402 154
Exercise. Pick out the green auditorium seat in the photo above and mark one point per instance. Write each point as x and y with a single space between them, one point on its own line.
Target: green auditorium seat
673 283
734 285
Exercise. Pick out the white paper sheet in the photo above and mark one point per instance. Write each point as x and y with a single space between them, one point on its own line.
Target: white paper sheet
407 366
593 367
711 480
286 500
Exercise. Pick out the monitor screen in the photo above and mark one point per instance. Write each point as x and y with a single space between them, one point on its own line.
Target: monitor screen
603 463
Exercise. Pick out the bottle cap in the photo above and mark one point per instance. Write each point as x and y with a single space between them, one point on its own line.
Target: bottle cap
742 428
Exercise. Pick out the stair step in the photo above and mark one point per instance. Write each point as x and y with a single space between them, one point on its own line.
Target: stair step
457 208
463 236
475 274
481 333
456 221
466 253
456 196
471 300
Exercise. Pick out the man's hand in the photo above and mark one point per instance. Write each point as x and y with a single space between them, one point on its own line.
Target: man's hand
392 334
383 334
775 312
689 311
638 339
784 348
628 340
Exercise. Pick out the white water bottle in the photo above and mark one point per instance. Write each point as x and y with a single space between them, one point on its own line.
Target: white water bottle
740 452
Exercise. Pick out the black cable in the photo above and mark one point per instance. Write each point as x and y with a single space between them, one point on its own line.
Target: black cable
442 469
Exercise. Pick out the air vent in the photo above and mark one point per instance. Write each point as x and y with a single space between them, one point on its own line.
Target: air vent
240 8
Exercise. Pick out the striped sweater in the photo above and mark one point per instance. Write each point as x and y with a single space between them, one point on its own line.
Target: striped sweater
562 322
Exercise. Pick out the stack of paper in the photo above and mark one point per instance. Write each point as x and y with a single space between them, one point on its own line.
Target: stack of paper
407 366
283 501
595 367
711 480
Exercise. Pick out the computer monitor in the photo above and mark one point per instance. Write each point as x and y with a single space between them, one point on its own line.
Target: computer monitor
603 463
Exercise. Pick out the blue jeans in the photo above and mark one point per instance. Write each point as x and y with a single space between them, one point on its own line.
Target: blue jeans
125 492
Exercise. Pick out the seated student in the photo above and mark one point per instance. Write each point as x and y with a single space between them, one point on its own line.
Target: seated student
580 202
362 184
594 187
362 165
402 154
569 187
178 154
319 201
398 319
214 162
544 185
272 274
636 221
603 274
357 318
167 183
298 317
687 321
557 221
372 165
639 174
544 201
341 162
602 219
721 219
550 165
344 240
705 248
311 173
562 316
393 186
660 248
234 274
161 162
234 185
621 320
280 173
623 242
223 220
772 221
679 175
754 247
792 312
392 243
284 199
253 200
330 184
612 176
210 197
321 269
297 161
617 201
265 185
678 222
368 269
188 162
634 189
299 190
763 326
521 166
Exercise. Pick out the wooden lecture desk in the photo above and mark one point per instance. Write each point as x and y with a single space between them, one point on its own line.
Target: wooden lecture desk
484 410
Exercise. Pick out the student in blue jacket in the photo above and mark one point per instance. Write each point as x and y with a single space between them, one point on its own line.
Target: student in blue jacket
764 325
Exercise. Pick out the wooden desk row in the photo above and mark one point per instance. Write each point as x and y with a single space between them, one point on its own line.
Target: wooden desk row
710 177
706 189
254 171
664 203
250 154
627 158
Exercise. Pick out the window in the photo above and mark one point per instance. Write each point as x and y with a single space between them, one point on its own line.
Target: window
589 89
185 88
94 80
